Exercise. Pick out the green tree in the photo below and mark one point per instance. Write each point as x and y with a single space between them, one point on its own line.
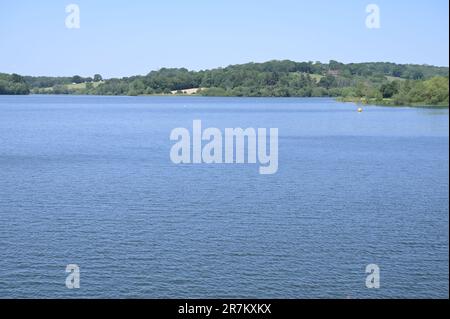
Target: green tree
77 79
388 90
98 78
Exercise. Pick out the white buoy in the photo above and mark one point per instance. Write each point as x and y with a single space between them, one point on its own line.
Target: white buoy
360 109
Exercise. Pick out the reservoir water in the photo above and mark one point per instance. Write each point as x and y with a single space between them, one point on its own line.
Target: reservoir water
89 181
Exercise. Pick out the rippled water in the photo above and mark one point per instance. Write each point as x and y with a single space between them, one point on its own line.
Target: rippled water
89 181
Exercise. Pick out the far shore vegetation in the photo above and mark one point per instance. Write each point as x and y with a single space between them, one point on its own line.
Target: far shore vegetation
378 83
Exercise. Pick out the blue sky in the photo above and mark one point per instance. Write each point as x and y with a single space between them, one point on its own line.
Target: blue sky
122 38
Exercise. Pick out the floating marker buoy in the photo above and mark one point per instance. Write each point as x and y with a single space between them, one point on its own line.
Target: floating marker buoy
360 109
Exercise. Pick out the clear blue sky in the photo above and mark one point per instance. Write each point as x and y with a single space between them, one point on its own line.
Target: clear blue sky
122 38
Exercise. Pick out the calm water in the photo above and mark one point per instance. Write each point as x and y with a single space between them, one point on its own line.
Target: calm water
89 181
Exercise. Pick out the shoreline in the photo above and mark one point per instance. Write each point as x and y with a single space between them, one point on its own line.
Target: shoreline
388 103
357 101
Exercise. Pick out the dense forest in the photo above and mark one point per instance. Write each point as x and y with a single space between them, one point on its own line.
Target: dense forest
379 83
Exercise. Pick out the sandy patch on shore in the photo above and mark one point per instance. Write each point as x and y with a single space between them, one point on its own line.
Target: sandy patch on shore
188 91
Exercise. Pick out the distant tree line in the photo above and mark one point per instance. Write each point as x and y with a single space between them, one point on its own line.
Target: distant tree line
13 84
383 82
49 82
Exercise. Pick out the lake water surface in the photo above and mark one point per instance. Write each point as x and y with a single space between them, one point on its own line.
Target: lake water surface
89 181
